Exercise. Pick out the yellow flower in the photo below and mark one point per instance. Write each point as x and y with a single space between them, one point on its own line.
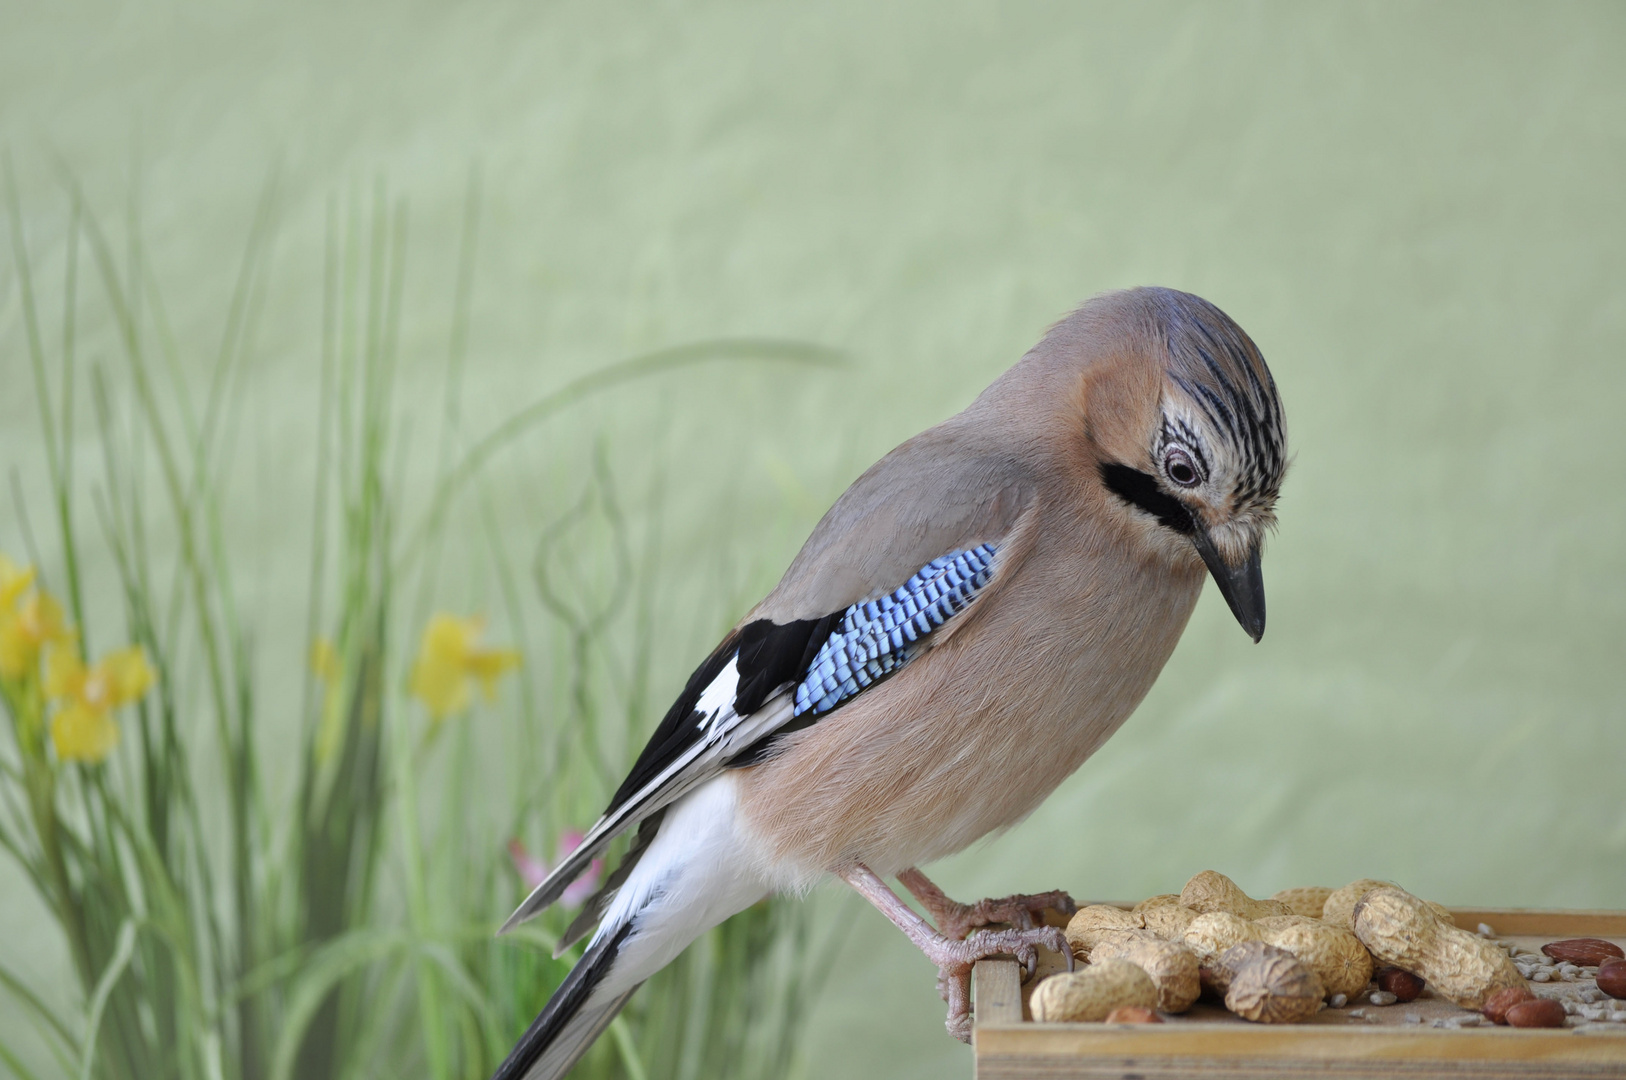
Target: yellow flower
83 728
325 661
327 666
27 623
14 581
448 660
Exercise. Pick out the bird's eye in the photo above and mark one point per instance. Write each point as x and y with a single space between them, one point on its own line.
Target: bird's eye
1179 467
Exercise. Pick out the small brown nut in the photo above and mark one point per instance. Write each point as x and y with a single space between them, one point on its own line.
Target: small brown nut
1168 921
1340 906
1269 985
1090 924
1497 1005
1173 967
1213 891
1402 930
1133 1014
1585 951
1612 978
1402 984
1336 956
1091 993
1537 1012
1308 900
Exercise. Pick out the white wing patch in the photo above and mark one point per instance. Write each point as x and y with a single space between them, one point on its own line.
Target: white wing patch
718 698
724 733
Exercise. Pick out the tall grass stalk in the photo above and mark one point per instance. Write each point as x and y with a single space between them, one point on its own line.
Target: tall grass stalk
217 929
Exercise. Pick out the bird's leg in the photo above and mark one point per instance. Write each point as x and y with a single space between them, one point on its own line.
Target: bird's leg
956 920
953 957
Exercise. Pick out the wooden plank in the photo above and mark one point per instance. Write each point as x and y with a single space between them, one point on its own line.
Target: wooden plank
1227 1052
1261 1042
1508 922
996 988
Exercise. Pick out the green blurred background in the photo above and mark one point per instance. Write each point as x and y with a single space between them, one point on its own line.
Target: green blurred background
1415 210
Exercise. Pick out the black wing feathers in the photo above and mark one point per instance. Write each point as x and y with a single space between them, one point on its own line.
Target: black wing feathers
769 656
773 654
562 1007
677 729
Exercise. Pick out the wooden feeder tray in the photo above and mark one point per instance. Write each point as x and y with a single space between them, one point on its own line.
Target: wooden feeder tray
1209 1043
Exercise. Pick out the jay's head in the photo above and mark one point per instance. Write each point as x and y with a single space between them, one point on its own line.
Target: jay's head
1182 426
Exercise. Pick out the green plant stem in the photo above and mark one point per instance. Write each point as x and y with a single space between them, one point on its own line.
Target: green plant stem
417 893
616 374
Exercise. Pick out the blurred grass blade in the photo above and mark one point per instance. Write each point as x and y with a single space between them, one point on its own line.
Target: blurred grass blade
338 959
52 1025
122 951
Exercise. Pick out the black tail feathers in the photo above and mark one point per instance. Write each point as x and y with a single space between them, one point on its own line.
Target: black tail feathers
569 1022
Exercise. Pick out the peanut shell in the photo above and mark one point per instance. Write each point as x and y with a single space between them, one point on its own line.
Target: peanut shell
1133 1014
1160 900
1402 930
1308 900
1337 956
1092 992
1168 921
1210 935
1090 924
1213 891
1172 967
1339 908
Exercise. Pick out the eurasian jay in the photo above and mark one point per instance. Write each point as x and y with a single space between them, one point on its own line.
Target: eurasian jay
976 615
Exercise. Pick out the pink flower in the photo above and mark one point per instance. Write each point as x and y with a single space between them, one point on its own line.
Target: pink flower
532 870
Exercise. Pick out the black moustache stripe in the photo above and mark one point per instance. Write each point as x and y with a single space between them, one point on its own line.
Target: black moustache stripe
1140 490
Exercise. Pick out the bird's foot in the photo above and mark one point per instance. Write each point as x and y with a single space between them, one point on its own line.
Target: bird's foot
955 957
1023 911
956 920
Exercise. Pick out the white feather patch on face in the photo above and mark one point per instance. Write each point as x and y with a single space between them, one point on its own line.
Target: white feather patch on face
1234 528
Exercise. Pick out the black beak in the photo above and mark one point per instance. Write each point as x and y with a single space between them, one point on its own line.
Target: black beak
1242 586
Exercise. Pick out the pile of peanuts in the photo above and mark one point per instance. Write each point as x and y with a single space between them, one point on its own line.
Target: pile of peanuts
1283 959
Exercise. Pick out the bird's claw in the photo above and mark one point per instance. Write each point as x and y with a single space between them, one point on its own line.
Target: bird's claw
954 960
1023 911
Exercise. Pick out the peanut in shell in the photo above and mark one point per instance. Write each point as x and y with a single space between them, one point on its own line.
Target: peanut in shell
1092 992
1336 956
1308 901
1211 934
1213 891
1400 929
1090 925
1172 967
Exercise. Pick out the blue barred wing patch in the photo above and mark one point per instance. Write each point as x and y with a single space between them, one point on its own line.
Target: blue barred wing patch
877 637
